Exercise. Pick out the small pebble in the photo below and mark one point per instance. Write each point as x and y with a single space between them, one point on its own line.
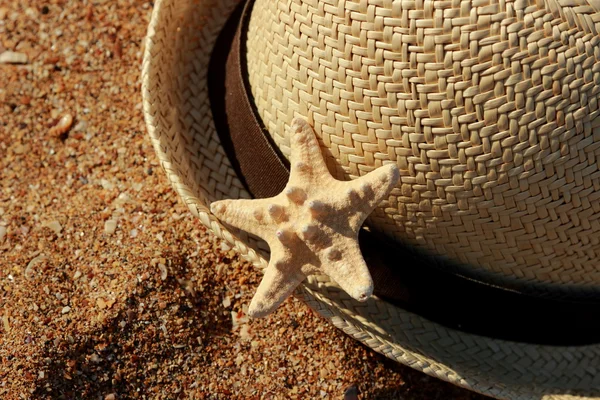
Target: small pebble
106 185
226 302
118 48
238 318
66 309
110 226
245 332
30 12
111 396
100 303
2 232
323 373
13 57
95 358
19 149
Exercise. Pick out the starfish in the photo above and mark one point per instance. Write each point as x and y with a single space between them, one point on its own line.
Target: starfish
312 226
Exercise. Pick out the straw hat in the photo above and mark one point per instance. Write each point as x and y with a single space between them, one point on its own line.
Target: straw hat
487 252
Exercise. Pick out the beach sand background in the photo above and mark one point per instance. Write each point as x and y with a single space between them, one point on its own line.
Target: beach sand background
109 288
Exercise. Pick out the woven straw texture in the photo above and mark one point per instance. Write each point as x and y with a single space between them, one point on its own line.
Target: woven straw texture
178 116
488 107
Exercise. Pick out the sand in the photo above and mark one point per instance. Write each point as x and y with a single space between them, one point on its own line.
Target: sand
109 288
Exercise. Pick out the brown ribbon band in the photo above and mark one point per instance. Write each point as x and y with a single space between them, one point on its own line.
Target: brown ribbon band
402 276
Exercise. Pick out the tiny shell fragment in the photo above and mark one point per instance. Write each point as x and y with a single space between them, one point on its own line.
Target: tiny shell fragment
34 261
100 303
63 126
54 225
163 271
12 57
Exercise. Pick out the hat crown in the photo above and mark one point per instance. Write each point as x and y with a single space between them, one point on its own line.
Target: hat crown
489 109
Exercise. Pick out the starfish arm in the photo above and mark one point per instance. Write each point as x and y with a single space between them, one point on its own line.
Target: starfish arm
248 215
306 158
278 283
369 190
343 262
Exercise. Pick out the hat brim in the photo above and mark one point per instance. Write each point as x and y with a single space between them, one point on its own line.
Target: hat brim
178 115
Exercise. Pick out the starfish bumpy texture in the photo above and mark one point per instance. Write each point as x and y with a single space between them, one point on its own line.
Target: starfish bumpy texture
312 226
